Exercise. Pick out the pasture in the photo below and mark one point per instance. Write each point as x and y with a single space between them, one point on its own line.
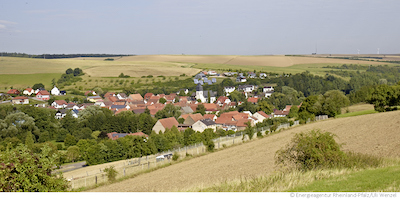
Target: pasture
375 134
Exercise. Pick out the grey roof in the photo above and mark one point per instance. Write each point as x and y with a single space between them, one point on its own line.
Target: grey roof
187 109
212 93
75 111
199 87
120 135
139 110
207 122
118 106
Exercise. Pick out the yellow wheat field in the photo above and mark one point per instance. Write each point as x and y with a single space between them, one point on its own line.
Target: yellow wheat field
376 134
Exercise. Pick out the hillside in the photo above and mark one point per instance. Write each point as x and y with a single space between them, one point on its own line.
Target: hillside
375 134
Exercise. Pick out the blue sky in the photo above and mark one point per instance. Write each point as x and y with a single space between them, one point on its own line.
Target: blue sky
225 27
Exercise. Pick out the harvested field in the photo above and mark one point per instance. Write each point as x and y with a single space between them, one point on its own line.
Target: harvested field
375 134
138 69
270 60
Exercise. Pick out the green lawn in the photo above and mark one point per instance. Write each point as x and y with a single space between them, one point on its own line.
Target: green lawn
365 112
371 180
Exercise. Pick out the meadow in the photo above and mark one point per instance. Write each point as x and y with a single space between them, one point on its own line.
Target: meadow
374 134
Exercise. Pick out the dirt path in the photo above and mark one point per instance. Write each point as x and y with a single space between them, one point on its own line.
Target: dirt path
377 134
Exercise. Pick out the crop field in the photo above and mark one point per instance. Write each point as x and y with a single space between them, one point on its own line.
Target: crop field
375 134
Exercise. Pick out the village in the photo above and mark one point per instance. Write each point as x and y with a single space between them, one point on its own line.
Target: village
219 112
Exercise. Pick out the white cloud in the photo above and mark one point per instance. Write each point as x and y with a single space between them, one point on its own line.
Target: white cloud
7 22
2 26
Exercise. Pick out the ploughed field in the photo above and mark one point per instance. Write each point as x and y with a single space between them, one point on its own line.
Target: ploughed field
376 134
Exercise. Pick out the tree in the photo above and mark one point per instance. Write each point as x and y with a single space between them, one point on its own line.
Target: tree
78 72
29 140
22 170
69 71
334 100
73 153
294 112
249 131
162 100
200 109
69 140
384 96
37 86
265 106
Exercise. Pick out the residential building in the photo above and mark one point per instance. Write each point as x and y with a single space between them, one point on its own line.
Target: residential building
43 95
55 91
163 124
28 91
20 100
204 124
246 88
229 89
13 92
59 104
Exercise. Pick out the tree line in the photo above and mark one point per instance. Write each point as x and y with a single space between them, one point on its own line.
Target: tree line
59 56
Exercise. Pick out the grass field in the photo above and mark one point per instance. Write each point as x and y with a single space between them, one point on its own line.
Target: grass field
22 81
375 134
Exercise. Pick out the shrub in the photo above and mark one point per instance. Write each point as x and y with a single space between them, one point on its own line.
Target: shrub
312 150
111 173
175 157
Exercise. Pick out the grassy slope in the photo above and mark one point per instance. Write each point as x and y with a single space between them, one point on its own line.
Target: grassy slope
22 81
368 180
375 134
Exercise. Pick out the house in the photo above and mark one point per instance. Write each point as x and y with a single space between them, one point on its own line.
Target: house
251 75
90 93
55 91
192 118
203 124
260 115
246 88
241 79
109 94
75 113
279 113
210 107
211 72
212 117
228 89
59 104
13 92
268 89
118 107
70 105
39 89
186 110
262 75
163 124
122 96
252 100
147 96
135 97
20 100
63 92
94 99
223 100
100 103
61 113
28 91
43 95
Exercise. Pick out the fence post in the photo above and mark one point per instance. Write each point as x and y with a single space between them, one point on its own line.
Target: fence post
95 179
87 173
85 182
148 165
72 180
124 171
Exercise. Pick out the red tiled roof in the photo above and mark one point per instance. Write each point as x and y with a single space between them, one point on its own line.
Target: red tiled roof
43 92
263 114
20 98
252 100
29 89
13 91
196 117
60 102
210 107
278 112
169 122
222 99
109 94
184 116
136 97
148 95
209 116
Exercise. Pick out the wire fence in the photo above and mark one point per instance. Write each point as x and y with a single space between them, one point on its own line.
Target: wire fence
133 166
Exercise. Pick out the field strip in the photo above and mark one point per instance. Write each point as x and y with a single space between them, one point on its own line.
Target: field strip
375 134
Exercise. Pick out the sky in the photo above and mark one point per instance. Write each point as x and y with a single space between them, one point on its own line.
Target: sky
200 27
